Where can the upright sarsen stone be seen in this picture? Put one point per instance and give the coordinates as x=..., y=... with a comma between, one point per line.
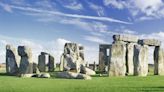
x=140, y=60
x=11, y=60
x=26, y=63
x=129, y=58
x=117, y=60
x=158, y=61
x=51, y=64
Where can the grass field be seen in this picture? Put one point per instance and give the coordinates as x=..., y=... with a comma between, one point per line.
x=97, y=84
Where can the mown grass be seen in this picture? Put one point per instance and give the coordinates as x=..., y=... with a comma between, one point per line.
x=150, y=83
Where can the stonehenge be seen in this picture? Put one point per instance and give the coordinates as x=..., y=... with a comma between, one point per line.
x=126, y=55
x=72, y=62
x=46, y=62
x=11, y=60
x=26, y=63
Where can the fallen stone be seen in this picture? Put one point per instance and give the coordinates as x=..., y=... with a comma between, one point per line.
x=150, y=42
x=125, y=38
x=71, y=75
x=43, y=75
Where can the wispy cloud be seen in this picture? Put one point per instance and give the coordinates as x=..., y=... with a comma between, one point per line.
x=69, y=15
x=95, y=39
x=6, y=7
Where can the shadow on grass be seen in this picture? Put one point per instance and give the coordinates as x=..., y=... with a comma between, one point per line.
x=152, y=89
x=4, y=74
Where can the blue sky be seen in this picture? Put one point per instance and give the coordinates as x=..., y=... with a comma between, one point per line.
x=45, y=25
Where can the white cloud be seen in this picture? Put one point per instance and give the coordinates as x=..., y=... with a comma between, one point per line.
x=100, y=10
x=6, y=7
x=94, y=39
x=74, y=6
x=56, y=13
x=115, y=3
x=140, y=9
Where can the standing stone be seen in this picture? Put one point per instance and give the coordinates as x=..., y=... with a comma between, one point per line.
x=117, y=60
x=42, y=63
x=26, y=63
x=158, y=61
x=140, y=60
x=11, y=60
x=129, y=59
x=94, y=66
x=61, y=62
x=51, y=64
x=104, y=50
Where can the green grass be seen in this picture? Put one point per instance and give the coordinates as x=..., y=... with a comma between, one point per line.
x=97, y=84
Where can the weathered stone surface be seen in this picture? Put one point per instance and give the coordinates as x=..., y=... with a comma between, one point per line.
x=71, y=75
x=89, y=71
x=43, y=61
x=158, y=61
x=61, y=63
x=35, y=67
x=117, y=60
x=129, y=58
x=26, y=63
x=11, y=60
x=140, y=60
x=126, y=38
x=104, y=50
x=72, y=58
x=150, y=42
x=27, y=75
x=43, y=75
x=94, y=66
x=51, y=64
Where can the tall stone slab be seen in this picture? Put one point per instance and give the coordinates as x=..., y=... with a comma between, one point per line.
x=42, y=63
x=11, y=60
x=26, y=63
x=140, y=60
x=51, y=64
x=117, y=60
x=61, y=63
x=158, y=61
x=104, y=51
x=129, y=58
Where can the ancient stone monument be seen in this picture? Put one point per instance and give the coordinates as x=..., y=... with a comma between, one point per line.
x=45, y=62
x=72, y=61
x=26, y=63
x=11, y=60
x=128, y=55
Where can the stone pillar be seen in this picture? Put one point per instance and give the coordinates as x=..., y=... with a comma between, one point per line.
x=140, y=60
x=129, y=58
x=104, y=51
x=94, y=66
x=42, y=62
x=117, y=60
x=51, y=64
x=26, y=63
x=158, y=61
x=61, y=62
x=11, y=60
